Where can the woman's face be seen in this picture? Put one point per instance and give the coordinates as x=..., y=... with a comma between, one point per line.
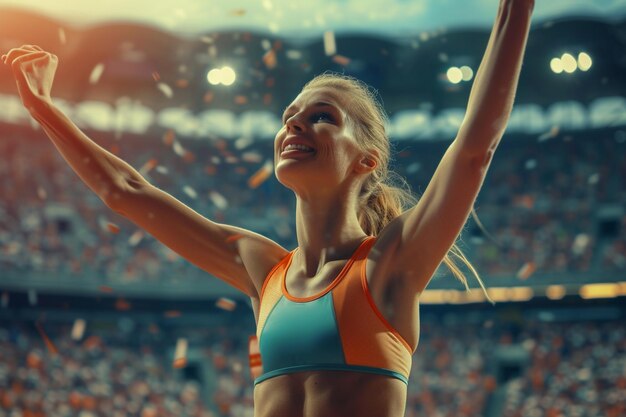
x=317, y=120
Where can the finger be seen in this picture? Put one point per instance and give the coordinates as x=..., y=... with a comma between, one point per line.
x=17, y=52
x=32, y=56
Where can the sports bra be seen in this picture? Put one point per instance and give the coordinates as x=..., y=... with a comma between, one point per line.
x=340, y=328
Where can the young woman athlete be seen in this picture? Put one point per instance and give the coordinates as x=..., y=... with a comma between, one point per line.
x=337, y=317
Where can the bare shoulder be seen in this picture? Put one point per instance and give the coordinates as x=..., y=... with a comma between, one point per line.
x=259, y=254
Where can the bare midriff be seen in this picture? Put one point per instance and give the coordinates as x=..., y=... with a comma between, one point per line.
x=330, y=394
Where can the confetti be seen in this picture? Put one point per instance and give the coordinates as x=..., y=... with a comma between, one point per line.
x=261, y=175
x=254, y=357
x=122, y=305
x=330, y=47
x=172, y=314
x=156, y=76
x=293, y=54
x=96, y=73
x=78, y=329
x=580, y=244
x=148, y=166
x=219, y=200
x=550, y=134
x=206, y=39
x=267, y=99
x=178, y=148
x=135, y=238
x=190, y=191
x=341, y=60
x=233, y=238
x=182, y=83
x=593, y=178
x=169, y=137
x=226, y=304
x=166, y=90
x=266, y=44
x=241, y=100
x=242, y=142
x=526, y=270
x=208, y=97
x=105, y=288
x=162, y=170
x=113, y=228
x=49, y=345
x=253, y=157
x=269, y=59
x=180, y=353
x=62, y=37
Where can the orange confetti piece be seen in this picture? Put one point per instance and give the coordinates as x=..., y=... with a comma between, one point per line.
x=182, y=83
x=241, y=100
x=233, y=238
x=267, y=99
x=254, y=357
x=189, y=156
x=208, y=97
x=179, y=363
x=261, y=175
x=269, y=82
x=106, y=289
x=49, y=345
x=172, y=314
x=122, y=305
x=113, y=228
x=341, y=60
x=115, y=149
x=148, y=166
x=156, y=76
x=241, y=170
x=210, y=169
x=269, y=59
x=169, y=137
x=226, y=304
x=526, y=271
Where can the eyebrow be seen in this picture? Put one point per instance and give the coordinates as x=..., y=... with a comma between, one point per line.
x=317, y=104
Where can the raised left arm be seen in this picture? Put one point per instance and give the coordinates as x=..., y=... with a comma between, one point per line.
x=425, y=233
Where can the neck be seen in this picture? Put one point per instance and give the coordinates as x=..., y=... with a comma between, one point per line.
x=328, y=229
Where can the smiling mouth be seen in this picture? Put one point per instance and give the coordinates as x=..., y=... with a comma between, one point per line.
x=296, y=152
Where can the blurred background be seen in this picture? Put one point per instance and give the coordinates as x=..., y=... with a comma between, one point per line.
x=97, y=318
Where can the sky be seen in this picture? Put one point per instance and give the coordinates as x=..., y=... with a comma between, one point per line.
x=306, y=18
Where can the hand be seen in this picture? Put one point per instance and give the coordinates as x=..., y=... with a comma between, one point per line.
x=33, y=70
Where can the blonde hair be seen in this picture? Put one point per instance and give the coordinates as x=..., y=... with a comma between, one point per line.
x=385, y=195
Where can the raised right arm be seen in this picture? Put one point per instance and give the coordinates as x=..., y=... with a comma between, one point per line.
x=237, y=256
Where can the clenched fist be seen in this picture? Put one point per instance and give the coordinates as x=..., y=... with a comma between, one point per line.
x=33, y=70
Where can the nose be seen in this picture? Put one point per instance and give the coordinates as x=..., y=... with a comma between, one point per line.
x=295, y=124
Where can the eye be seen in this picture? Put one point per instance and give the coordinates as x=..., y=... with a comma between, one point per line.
x=321, y=117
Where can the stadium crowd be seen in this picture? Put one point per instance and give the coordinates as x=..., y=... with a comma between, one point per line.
x=573, y=369
x=538, y=206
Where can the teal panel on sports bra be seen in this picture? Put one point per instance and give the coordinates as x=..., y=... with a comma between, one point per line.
x=300, y=334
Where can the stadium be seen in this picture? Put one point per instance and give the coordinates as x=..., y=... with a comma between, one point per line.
x=99, y=318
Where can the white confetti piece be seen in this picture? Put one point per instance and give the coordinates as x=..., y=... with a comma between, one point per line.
x=215, y=160
x=243, y=142
x=549, y=134
x=166, y=90
x=62, y=37
x=219, y=200
x=330, y=47
x=593, y=178
x=96, y=73
x=266, y=44
x=162, y=170
x=232, y=159
x=190, y=191
x=135, y=238
x=253, y=157
x=180, y=353
x=581, y=241
x=178, y=149
x=294, y=54
x=78, y=329
x=413, y=168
